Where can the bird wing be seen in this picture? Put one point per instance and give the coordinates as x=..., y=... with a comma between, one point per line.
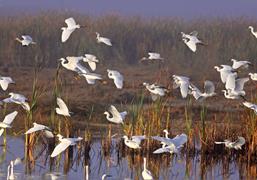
x=239, y=84
x=25, y=106
x=195, y=91
x=161, y=139
x=26, y=37
x=92, y=65
x=248, y=104
x=35, y=129
x=118, y=80
x=4, y=84
x=231, y=81
x=66, y=34
x=62, y=105
x=192, y=45
x=239, y=142
x=209, y=87
x=216, y=142
x=10, y=117
x=70, y=22
x=48, y=134
x=137, y=139
x=61, y=147
x=179, y=140
x=161, y=150
x=184, y=88
x=115, y=113
x=1, y=131
x=90, y=56
x=106, y=41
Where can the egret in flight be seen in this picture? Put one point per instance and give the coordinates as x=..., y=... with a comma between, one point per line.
x=152, y=56
x=71, y=27
x=26, y=40
x=155, y=90
x=103, y=40
x=39, y=127
x=18, y=99
x=64, y=144
x=114, y=116
x=183, y=83
x=7, y=121
x=191, y=40
x=5, y=81
x=236, y=144
x=62, y=109
x=117, y=78
x=209, y=91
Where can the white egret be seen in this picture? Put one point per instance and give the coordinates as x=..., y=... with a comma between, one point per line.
x=17, y=99
x=5, y=81
x=236, y=144
x=155, y=90
x=39, y=127
x=10, y=171
x=7, y=121
x=146, y=174
x=171, y=148
x=72, y=63
x=64, y=144
x=251, y=106
x=26, y=40
x=183, y=83
x=254, y=33
x=91, y=60
x=209, y=91
x=236, y=86
x=134, y=142
x=238, y=64
x=191, y=40
x=224, y=71
x=253, y=76
x=62, y=109
x=178, y=141
x=71, y=26
x=159, y=138
x=103, y=40
x=152, y=56
x=117, y=78
x=113, y=115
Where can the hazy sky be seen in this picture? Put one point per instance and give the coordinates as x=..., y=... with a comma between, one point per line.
x=162, y=8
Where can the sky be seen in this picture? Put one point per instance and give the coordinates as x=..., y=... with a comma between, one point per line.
x=145, y=8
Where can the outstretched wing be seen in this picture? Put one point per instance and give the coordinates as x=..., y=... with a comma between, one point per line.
x=118, y=80
x=240, y=84
x=10, y=117
x=66, y=34
x=137, y=139
x=35, y=129
x=194, y=33
x=115, y=113
x=62, y=105
x=70, y=22
x=60, y=148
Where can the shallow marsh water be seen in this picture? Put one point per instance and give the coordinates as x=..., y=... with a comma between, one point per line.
x=119, y=165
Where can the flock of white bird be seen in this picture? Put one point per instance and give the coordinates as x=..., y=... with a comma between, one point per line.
x=234, y=89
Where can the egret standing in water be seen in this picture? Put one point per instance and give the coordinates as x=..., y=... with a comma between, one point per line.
x=146, y=174
x=10, y=171
x=7, y=121
x=26, y=40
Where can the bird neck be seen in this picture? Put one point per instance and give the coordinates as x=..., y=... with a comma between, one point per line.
x=19, y=40
x=144, y=164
